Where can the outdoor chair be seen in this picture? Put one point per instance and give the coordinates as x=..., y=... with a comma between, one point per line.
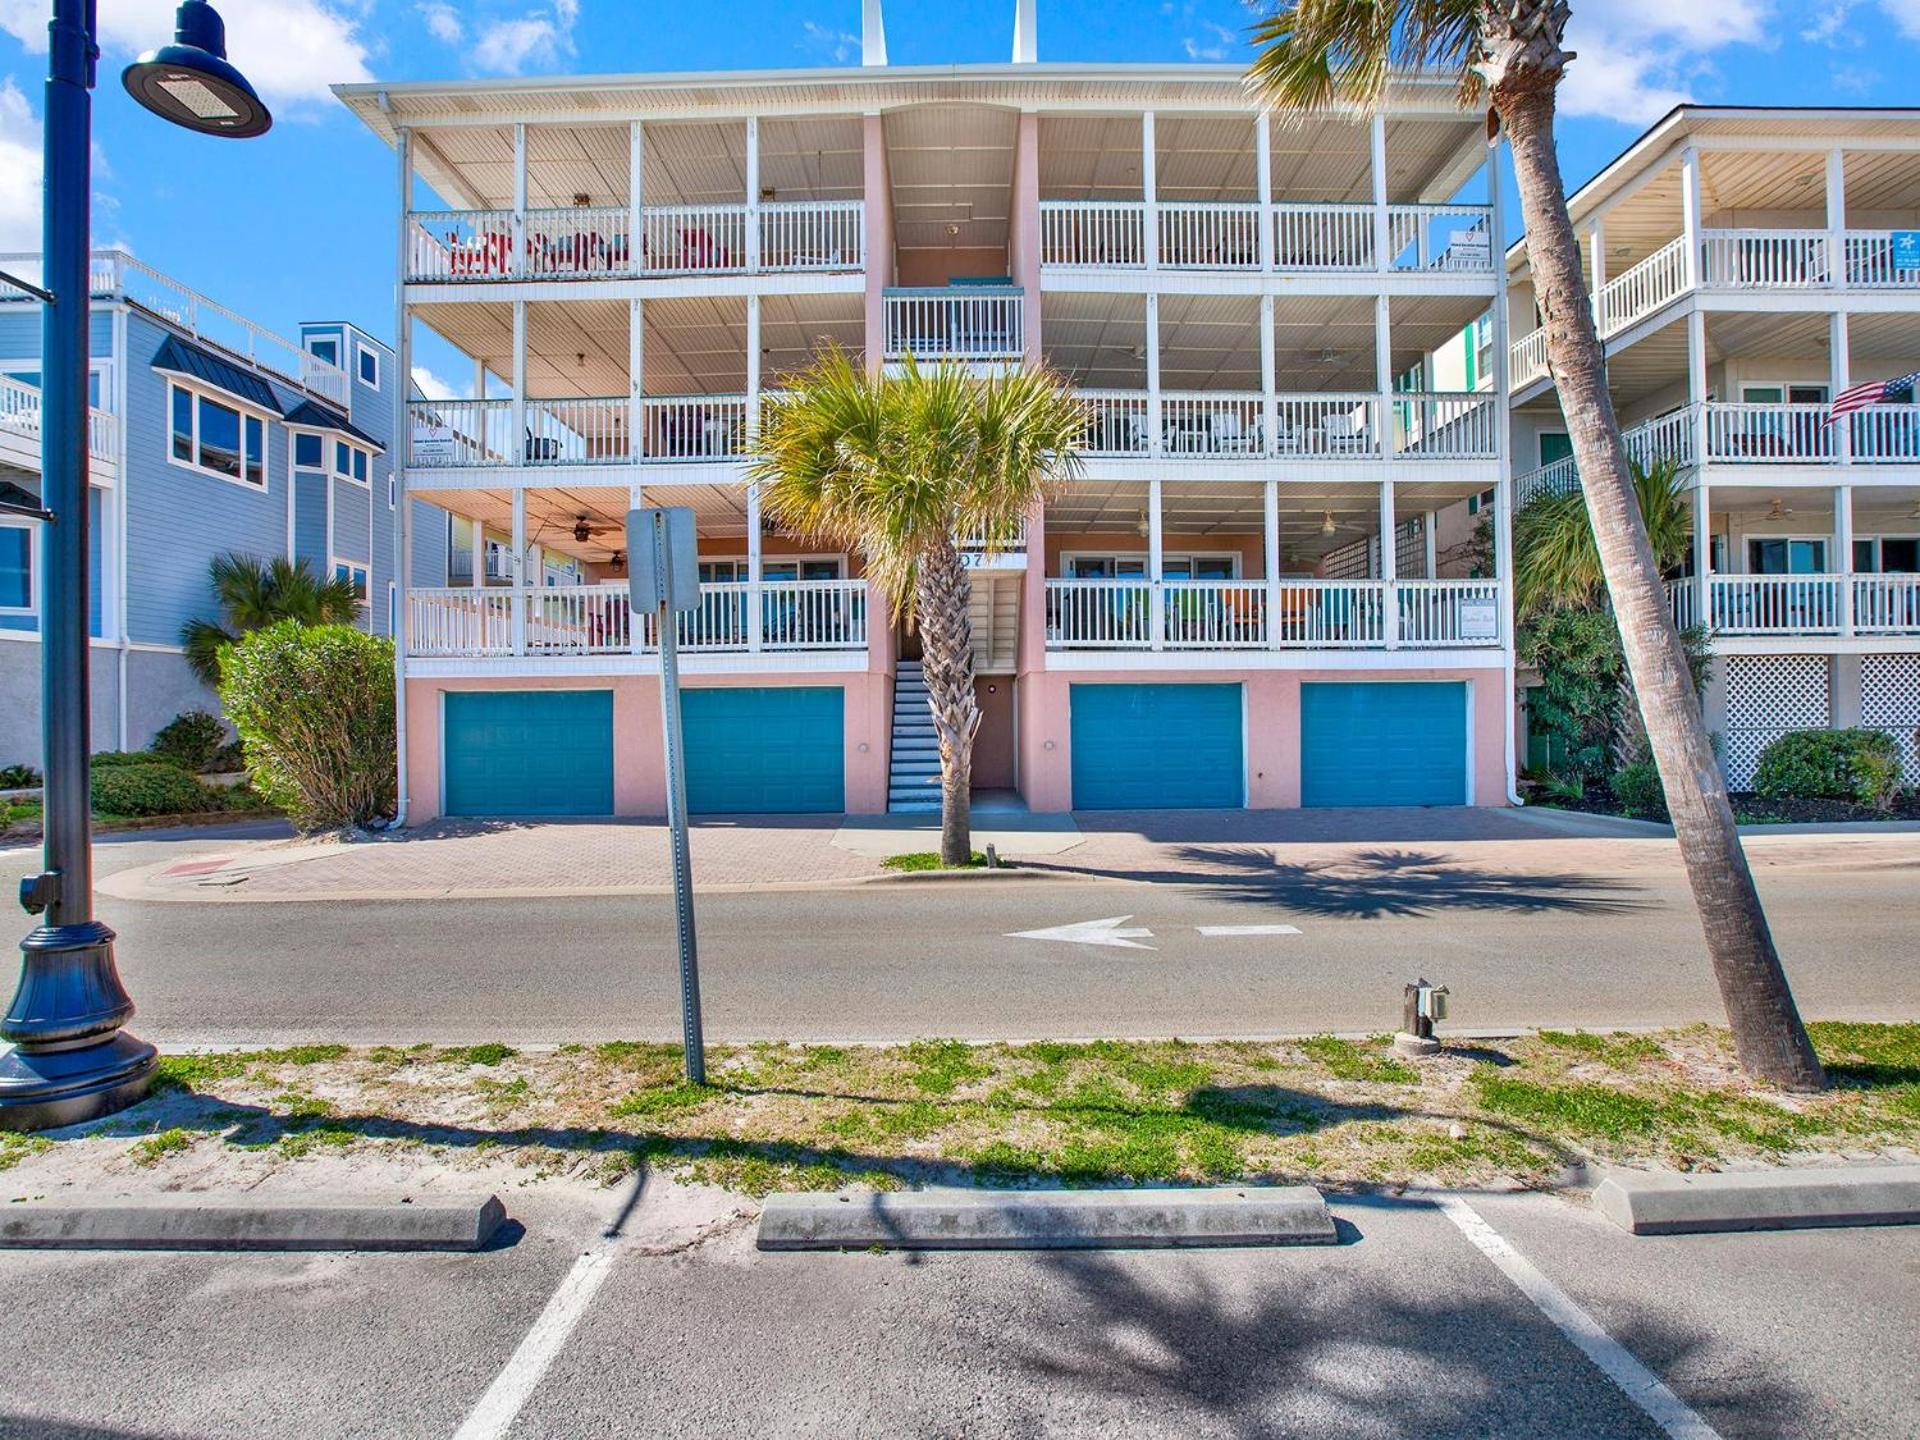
x=1344, y=435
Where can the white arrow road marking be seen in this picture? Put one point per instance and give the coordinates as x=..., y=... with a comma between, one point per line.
x=1091, y=932
x=1220, y=930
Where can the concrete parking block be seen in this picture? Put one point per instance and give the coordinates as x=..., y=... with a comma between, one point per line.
x=1673, y=1204
x=206, y=1222
x=1046, y=1219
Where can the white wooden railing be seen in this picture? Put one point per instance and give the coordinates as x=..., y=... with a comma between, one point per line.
x=1323, y=237
x=1448, y=239
x=444, y=434
x=1224, y=423
x=1870, y=266
x=1683, y=598
x=1665, y=437
x=460, y=245
x=593, y=619
x=694, y=427
x=1764, y=259
x=1431, y=425
x=586, y=430
x=116, y=272
x=20, y=415
x=1773, y=604
x=1328, y=424
x=1116, y=423
x=1885, y=435
x=1527, y=359
x=955, y=323
x=581, y=242
x=693, y=239
x=1247, y=614
x=1209, y=235
x=1886, y=604
x=1657, y=280
x=1770, y=434
x=1106, y=233
x=813, y=235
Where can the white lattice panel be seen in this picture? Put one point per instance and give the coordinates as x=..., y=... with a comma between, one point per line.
x=1768, y=696
x=1890, y=701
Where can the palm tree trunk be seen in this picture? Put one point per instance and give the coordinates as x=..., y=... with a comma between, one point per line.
x=1767, y=1031
x=946, y=645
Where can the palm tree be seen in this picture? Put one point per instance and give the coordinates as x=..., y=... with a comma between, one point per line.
x=1508, y=56
x=252, y=594
x=1556, y=562
x=896, y=467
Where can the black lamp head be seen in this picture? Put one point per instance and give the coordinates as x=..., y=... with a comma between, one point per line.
x=190, y=82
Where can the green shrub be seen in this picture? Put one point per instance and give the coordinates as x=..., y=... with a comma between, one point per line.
x=1638, y=789
x=232, y=757
x=314, y=708
x=155, y=788
x=18, y=777
x=191, y=740
x=1858, y=765
x=110, y=759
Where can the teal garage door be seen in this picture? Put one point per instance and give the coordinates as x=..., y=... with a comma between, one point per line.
x=772, y=751
x=528, y=752
x=1383, y=744
x=1156, y=747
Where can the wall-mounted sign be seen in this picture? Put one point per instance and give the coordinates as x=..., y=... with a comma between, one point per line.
x=1479, y=618
x=1906, y=249
x=432, y=442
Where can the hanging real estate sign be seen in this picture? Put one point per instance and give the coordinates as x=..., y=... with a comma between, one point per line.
x=1479, y=618
x=1906, y=249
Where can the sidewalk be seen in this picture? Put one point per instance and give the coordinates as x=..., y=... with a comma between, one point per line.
x=502, y=859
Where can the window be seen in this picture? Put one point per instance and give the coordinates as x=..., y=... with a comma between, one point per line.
x=1482, y=501
x=18, y=580
x=350, y=462
x=309, y=451
x=217, y=437
x=327, y=350
x=1786, y=556
x=354, y=572
x=393, y=491
x=368, y=361
x=1887, y=555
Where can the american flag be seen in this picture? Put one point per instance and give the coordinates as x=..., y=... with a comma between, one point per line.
x=1873, y=392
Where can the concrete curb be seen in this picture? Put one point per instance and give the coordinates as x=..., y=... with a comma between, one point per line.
x=212, y=1222
x=1672, y=1204
x=1046, y=1219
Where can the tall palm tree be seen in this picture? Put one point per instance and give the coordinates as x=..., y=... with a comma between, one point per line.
x=896, y=467
x=1556, y=560
x=1508, y=56
x=252, y=594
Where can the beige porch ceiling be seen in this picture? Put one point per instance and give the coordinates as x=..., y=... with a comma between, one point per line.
x=951, y=165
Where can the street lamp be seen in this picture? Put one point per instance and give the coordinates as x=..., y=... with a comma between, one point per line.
x=71, y=1060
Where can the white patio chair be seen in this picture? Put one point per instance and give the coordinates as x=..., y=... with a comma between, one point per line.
x=1344, y=435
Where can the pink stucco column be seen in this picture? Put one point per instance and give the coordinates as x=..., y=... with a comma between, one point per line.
x=879, y=215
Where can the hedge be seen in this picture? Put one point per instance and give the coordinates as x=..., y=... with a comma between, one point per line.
x=1858, y=765
x=155, y=788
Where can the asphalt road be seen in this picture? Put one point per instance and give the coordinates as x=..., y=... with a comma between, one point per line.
x=892, y=961
x=1405, y=1328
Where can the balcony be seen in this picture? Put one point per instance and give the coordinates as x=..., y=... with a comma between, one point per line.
x=588, y=430
x=580, y=620
x=1667, y=437
x=966, y=323
x=599, y=242
x=1132, y=614
x=1801, y=605
x=1247, y=236
x=20, y=428
x=1237, y=425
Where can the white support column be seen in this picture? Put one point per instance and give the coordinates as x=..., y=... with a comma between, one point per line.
x=636, y=196
x=519, y=227
x=1690, y=213
x=1697, y=384
x=636, y=380
x=1383, y=374
x=1843, y=543
x=1156, y=565
x=1503, y=445
x=1269, y=401
x=753, y=365
x=1837, y=218
x=756, y=609
x=1150, y=191
x=1839, y=377
x=1270, y=538
x=518, y=405
x=1263, y=184
x=636, y=624
x=399, y=457
x=1597, y=265
x=1155, y=440
x=1432, y=539
x=479, y=539
x=1702, y=549
x=753, y=194
x=517, y=577
x=1382, y=232
x=1389, y=567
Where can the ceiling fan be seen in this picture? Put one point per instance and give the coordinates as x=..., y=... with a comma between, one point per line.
x=1778, y=511
x=584, y=529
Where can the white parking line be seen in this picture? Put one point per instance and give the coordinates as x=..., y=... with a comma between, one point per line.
x=1640, y=1385
x=497, y=1409
x=1220, y=930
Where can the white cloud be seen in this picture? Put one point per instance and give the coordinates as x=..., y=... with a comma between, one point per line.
x=20, y=170
x=443, y=21
x=1905, y=15
x=836, y=45
x=1637, y=59
x=291, y=50
x=1217, y=44
x=431, y=385
x=538, y=38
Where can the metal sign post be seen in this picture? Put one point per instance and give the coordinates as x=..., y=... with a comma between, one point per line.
x=665, y=580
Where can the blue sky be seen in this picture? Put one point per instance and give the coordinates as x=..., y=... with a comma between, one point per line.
x=298, y=226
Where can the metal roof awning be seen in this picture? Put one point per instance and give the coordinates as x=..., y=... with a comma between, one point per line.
x=182, y=357
x=316, y=416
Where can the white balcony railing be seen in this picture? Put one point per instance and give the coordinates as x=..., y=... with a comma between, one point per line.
x=813, y=235
x=1441, y=426
x=112, y=272
x=1770, y=434
x=589, y=430
x=1224, y=423
x=959, y=322
x=694, y=427
x=1666, y=437
x=585, y=430
x=693, y=239
x=1884, y=435
x=1764, y=259
x=1658, y=280
x=1327, y=424
x=795, y=615
x=1116, y=423
x=1209, y=235
x=1869, y=256
x=1295, y=614
x=1886, y=604
x=1445, y=239
x=1323, y=237
x=1334, y=425
x=1110, y=234
x=1773, y=604
x=20, y=416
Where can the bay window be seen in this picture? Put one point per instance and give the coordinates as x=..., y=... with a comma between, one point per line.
x=216, y=437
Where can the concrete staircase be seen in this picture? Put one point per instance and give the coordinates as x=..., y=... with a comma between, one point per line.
x=913, y=773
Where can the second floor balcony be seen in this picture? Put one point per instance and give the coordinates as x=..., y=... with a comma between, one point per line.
x=574, y=431
x=1287, y=614
x=1247, y=425
x=973, y=324
x=1823, y=605
x=20, y=429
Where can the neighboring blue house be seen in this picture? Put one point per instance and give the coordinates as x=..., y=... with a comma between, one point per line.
x=209, y=434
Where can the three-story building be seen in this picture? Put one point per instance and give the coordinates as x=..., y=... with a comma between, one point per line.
x=1242, y=601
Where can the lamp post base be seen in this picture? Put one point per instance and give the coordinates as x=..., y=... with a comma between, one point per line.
x=71, y=1062
x=45, y=1089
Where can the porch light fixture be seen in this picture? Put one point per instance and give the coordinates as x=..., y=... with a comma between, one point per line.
x=190, y=82
x=1327, y=526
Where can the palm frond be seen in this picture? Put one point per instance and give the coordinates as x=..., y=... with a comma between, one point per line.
x=1556, y=559
x=1315, y=54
